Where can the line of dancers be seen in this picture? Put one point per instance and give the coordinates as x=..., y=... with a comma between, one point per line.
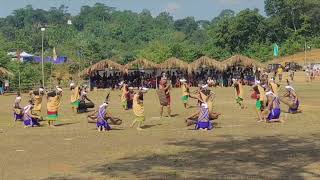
x=265, y=92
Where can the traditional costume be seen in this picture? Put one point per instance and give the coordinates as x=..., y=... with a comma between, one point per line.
x=273, y=107
x=124, y=95
x=204, y=118
x=17, y=110
x=29, y=120
x=164, y=96
x=138, y=108
x=102, y=123
x=238, y=87
x=185, y=92
x=53, y=105
x=294, y=108
x=84, y=106
x=36, y=97
x=75, y=96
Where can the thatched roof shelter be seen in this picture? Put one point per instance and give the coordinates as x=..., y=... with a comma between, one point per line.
x=174, y=63
x=102, y=65
x=5, y=73
x=243, y=60
x=205, y=61
x=141, y=63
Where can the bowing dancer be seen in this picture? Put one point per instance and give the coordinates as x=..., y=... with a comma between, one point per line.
x=17, y=109
x=75, y=97
x=29, y=119
x=103, y=118
x=272, y=112
x=138, y=108
x=53, y=105
x=294, y=100
x=205, y=115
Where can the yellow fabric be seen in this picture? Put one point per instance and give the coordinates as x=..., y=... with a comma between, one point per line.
x=210, y=106
x=185, y=91
x=274, y=88
x=37, y=103
x=262, y=93
x=75, y=96
x=138, y=108
x=124, y=93
x=280, y=70
x=54, y=103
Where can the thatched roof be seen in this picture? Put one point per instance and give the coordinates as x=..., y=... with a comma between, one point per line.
x=102, y=65
x=205, y=61
x=4, y=72
x=243, y=60
x=141, y=63
x=173, y=63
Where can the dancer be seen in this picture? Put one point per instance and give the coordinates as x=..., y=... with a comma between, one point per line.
x=17, y=110
x=203, y=117
x=75, y=97
x=185, y=93
x=272, y=112
x=102, y=116
x=36, y=98
x=164, y=91
x=53, y=105
x=259, y=95
x=238, y=87
x=124, y=95
x=294, y=100
x=29, y=119
x=83, y=106
x=138, y=108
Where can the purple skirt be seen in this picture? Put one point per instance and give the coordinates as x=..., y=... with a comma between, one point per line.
x=274, y=115
x=17, y=117
x=31, y=122
x=295, y=109
x=204, y=125
x=104, y=124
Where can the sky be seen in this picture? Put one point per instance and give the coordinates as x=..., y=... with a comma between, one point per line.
x=200, y=9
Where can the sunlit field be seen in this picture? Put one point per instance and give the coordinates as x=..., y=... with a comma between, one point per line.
x=238, y=148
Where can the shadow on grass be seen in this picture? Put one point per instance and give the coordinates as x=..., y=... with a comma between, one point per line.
x=255, y=158
x=65, y=124
x=150, y=126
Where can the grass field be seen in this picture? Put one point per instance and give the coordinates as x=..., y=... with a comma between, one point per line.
x=238, y=148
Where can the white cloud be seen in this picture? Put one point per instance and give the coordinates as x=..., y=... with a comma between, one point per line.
x=172, y=7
